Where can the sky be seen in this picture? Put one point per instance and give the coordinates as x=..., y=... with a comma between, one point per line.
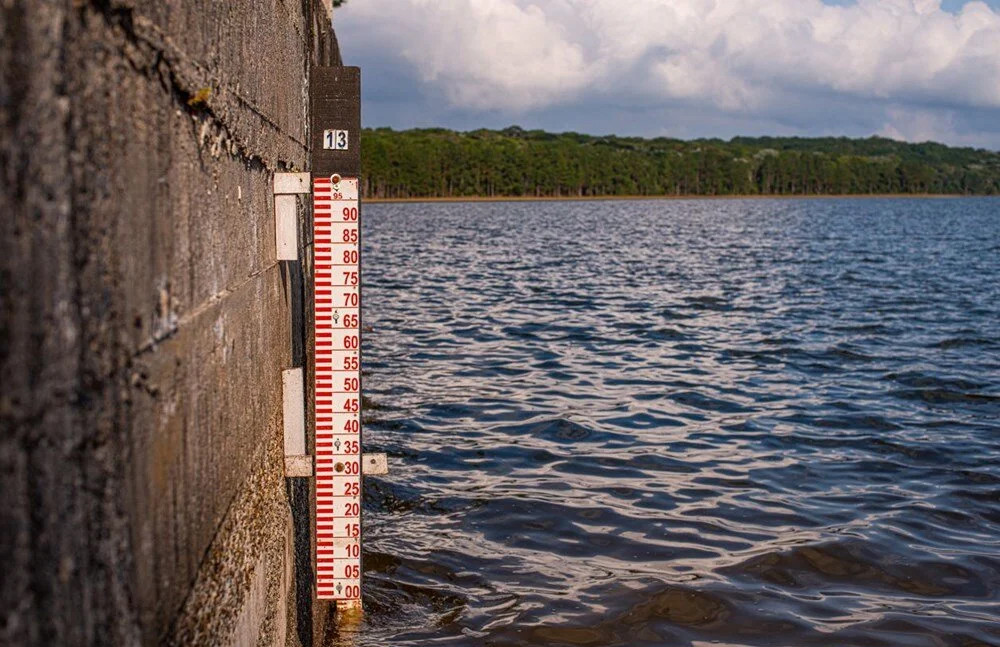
x=914, y=70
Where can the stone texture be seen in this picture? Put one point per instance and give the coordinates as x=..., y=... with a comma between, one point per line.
x=144, y=321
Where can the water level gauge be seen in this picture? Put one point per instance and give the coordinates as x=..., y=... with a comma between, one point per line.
x=337, y=387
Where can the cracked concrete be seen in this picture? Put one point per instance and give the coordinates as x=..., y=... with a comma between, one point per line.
x=144, y=321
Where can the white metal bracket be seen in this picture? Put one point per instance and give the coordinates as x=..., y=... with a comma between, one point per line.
x=286, y=222
x=293, y=410
x=297, y=461
x=285, y=183
x=372, y=464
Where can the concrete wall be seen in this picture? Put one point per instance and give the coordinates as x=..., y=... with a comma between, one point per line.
x=144, y=321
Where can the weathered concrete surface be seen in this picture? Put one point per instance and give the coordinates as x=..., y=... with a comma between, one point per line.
x=144, y=321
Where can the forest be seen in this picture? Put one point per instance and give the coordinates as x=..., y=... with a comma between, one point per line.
x=439, y=163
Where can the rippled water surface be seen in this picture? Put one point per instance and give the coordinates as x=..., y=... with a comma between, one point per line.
x=684, y=423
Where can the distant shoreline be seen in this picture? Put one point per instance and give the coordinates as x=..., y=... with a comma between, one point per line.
x=607, y=198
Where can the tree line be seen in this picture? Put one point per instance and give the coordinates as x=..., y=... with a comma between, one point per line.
x=515, y=162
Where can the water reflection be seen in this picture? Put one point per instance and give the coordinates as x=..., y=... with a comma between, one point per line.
x=746, y=423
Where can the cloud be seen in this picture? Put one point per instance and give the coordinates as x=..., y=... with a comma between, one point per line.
x=737, y=57
x=919, y=125
x=481, y=53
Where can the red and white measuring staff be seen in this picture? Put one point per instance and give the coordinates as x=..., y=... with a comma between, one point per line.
x=337, y=362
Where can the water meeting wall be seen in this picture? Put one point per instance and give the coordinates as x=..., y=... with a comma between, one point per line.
x=144, y=320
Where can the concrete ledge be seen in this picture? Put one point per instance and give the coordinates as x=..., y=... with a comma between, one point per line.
x=328, y=5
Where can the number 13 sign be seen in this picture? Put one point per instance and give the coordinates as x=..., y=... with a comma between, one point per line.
x=335, y=140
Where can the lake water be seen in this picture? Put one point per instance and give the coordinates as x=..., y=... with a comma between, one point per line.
x=726, y=422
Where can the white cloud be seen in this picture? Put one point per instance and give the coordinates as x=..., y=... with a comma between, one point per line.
x=917, y=125
x=734, y=56
x=481, y=53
